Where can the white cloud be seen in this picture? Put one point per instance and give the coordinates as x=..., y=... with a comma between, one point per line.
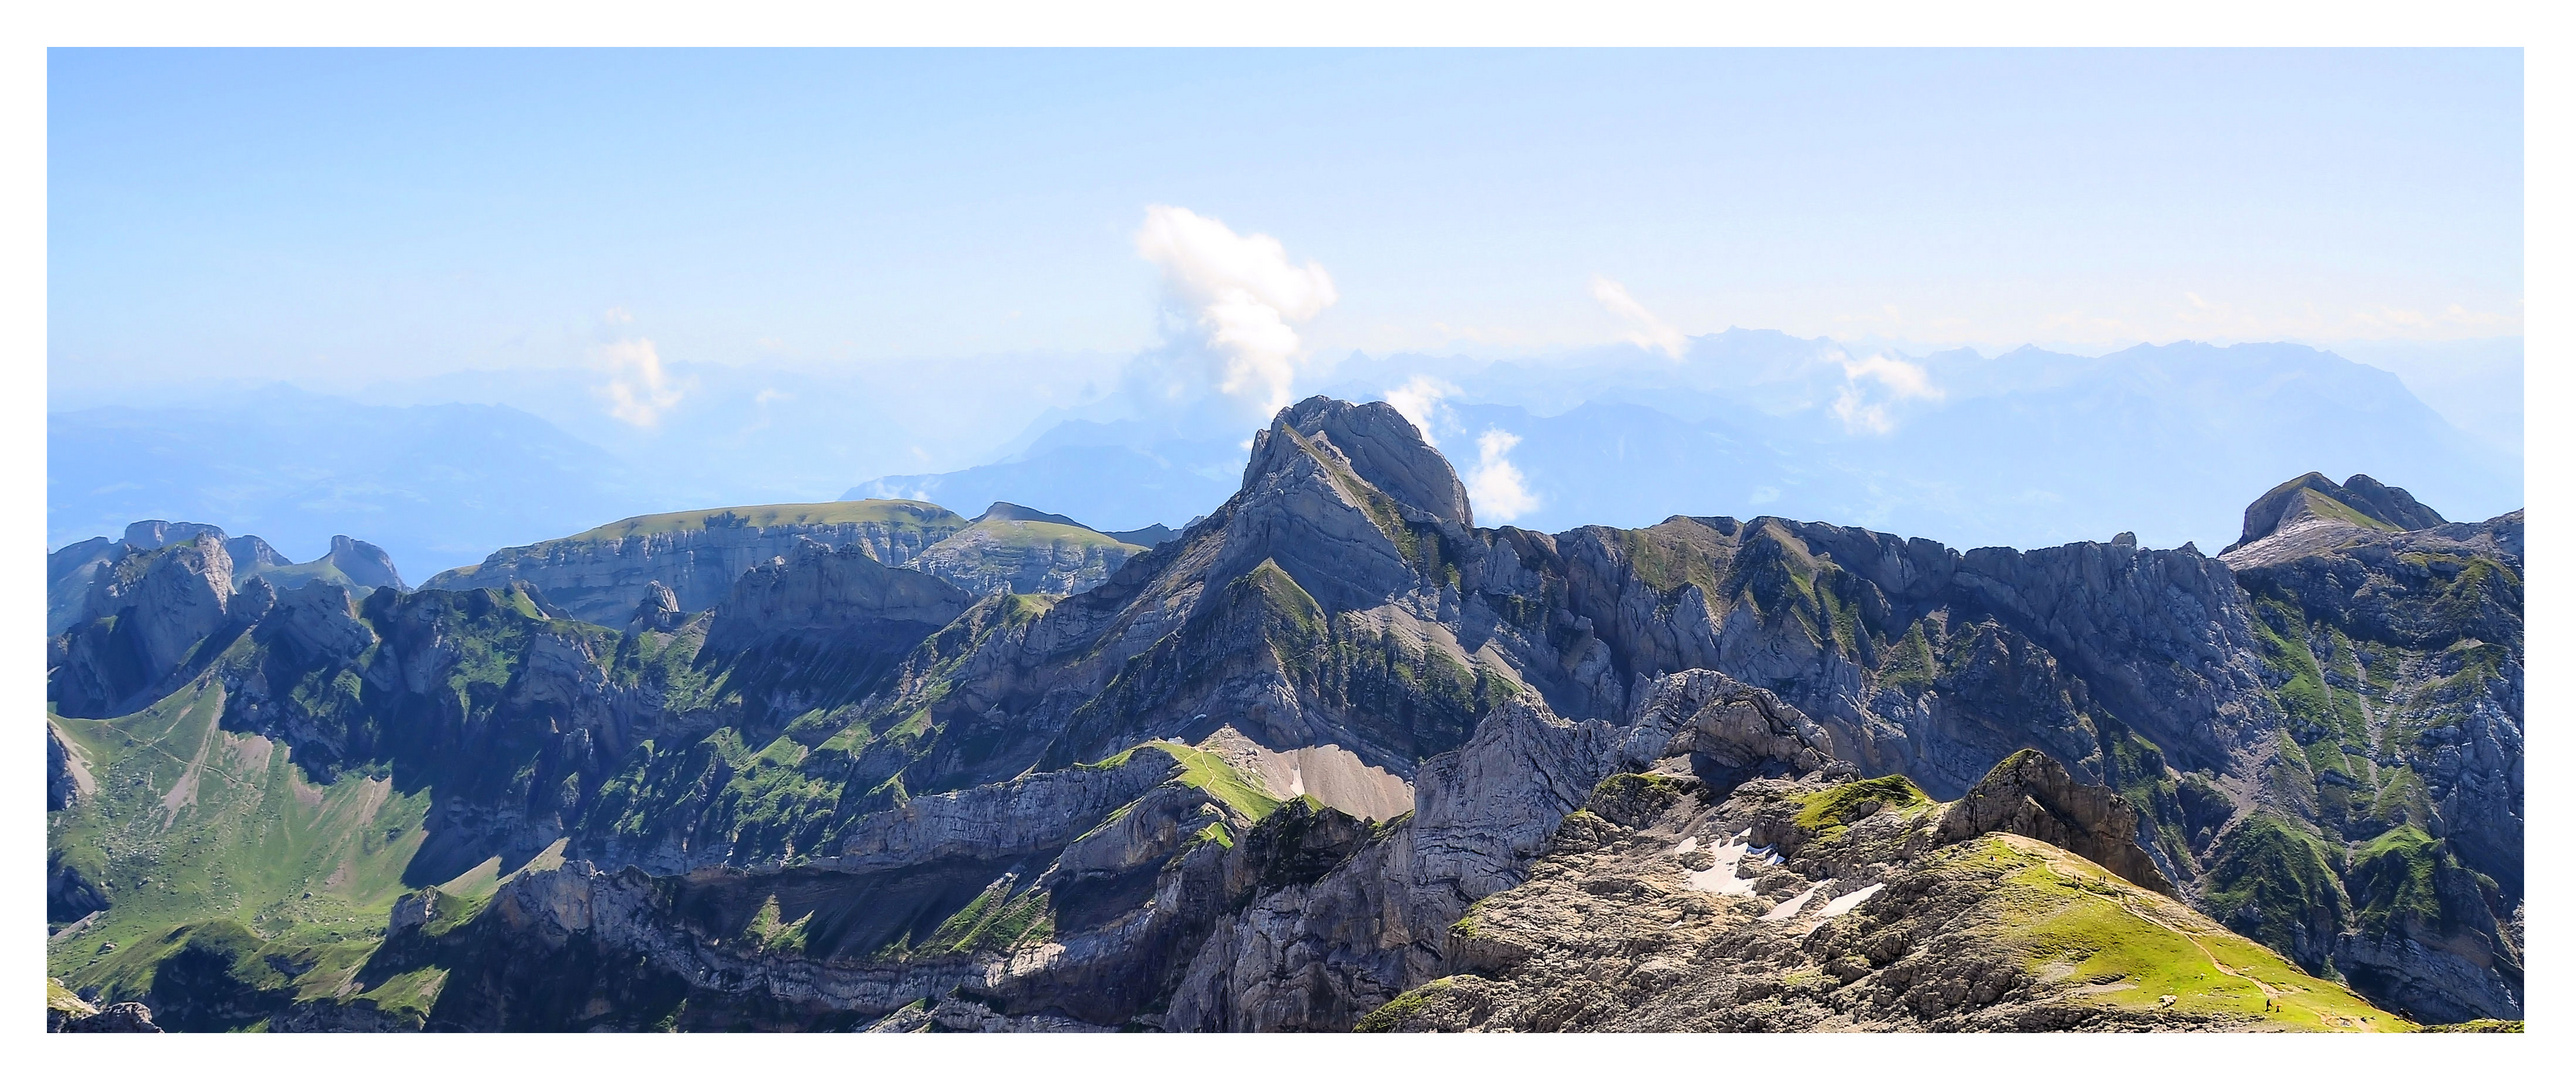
x=638, y=390
x=1245, y=295
x=1646, y=328
x=1498, y=489
x=1861, y=409
x=1420, y=402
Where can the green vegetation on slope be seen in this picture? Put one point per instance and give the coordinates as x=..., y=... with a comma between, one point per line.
x=192, y=822
x=2079, y=924
x=1211, y=774
x=1826, y=813
x=886, y=511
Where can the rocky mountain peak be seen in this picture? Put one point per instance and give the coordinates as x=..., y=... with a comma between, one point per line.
x=148, y=535
x=1381, y=447
x=2311, y=498
x=365, y=564
x=1009, y=511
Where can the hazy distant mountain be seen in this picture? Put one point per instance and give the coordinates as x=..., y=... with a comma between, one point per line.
x=435, y=485
x=1120, y=475
x=2027, y=447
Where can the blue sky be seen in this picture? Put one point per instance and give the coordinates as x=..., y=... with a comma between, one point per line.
x=339, y=216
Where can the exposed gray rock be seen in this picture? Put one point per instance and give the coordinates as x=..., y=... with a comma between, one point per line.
x=317, y=624
x=67, y=779
x=1024, y=551
x=1041, y=812
x=817, y=590
x=121, y=1018
x=149, y=535
x=1380, y=445
x=657, y=610
x=70, y=895
x=365, y=564
x=2292, y=501
x=600, y=576
x=2032, y=795
x=69, y=572
x=1145, y=832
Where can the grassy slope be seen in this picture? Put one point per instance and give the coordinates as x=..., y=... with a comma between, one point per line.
x=193, y=822
x=196, y=826
x=2078, y=925
x=1211, y=774
x=890, y=511
x=1041, y=533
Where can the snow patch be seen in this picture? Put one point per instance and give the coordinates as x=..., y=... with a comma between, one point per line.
x=1723, y=878
x=1848, y=903
x=1788, y=909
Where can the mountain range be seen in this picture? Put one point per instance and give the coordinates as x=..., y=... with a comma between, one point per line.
x=2021, y=449
x=1334, y=756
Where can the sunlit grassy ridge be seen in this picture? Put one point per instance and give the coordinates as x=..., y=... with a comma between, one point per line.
x=887, y=511
x=1030, y=533
x=1211, y=774
x=2075, y=923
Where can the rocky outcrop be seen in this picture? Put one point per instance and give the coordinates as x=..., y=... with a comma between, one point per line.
x=1039, y=813
x=67, y=779
x=366, y=565
x=657, y=610
x=155, y=534
x=818, y=591
x=1698, y=917
x=69, y=573
x=70, y=895
x=1734, y=732
x=2312, y=496
x=2033, y=796
x=317, y=625
x=1013, y=549
x=121, y=1018
x=150, y=612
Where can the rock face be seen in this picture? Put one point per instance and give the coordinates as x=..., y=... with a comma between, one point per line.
x=1332, y=750
x=2033, y=796
x=365, y=564
x=124, y=1017
x=658, y=609
x=2402, y=662
x=600, y=575
x=1379, y=445
x=67, y=778
x=818, y=591
x=2309, y=514
x=150, y=612
x=155, y=616
x=1013, y=549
